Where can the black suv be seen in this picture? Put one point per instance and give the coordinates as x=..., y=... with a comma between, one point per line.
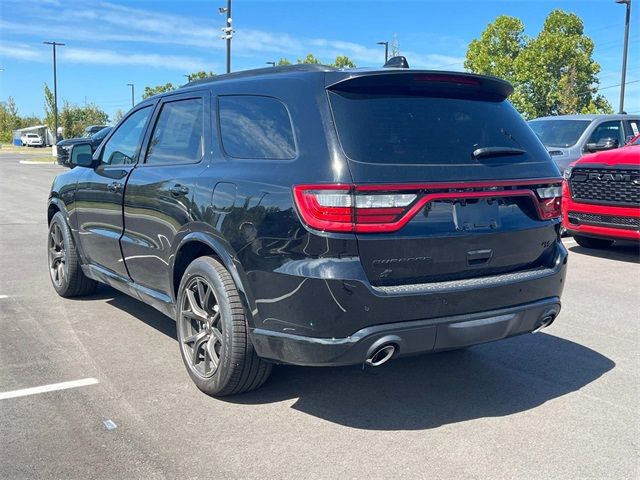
x=317, y=216
x=64, y=146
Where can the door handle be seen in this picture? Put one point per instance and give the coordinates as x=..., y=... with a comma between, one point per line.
x=178, y=190
x=114, y=187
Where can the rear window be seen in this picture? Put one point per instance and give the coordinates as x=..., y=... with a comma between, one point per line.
x=559, y=133
x=426, y=130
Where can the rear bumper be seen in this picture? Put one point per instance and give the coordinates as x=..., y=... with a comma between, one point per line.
x=409, y=338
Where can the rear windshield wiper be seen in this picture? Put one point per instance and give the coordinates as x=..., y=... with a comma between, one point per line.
x=497, y=152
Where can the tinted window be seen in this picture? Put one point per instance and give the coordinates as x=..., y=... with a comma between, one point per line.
x=256, y=127
x=423, y=130
x=98, y=136
x=607, y=130
x=178, y=134
x=123, y=145
x=635, y=127
x=559, y=133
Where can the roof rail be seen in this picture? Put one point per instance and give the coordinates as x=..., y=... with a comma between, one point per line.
x=299, y=67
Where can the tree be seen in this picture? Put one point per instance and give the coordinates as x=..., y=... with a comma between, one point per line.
x=552, y=74
x=151, y=91
x=283, y=61
x=74, y=119
x=9, y=120
x=494, y=53
x=343, y=61
x=310, y=58
x=119, y=115
x=49, y=119
x=199, y=75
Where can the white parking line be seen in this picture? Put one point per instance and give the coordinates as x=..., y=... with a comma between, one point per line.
x=3, y=296
x=48, y=388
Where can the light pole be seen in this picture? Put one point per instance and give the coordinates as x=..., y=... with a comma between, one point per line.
x=386, y=50
x=228, y=32
x=273, y=64
x=55, y=89
x=624, y=53
x=132, y=94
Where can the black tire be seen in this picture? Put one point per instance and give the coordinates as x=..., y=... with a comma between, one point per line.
x=590, y=242
x=216, y=327
x=65, y=272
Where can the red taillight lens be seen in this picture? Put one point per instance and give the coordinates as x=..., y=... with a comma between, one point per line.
x=388, y=208
x=550, y=201
x=341, y=208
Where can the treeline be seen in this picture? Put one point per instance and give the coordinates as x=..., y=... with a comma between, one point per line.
x=340, y=62
x=11, y=120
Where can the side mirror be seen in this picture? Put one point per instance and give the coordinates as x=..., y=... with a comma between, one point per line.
x=604, y=144
x=81, y=155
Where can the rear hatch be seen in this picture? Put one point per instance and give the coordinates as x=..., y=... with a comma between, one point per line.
x=449, y=182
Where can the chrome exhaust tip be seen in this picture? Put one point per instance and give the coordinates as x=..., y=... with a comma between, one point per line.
x=546, y=321
x=381, y=355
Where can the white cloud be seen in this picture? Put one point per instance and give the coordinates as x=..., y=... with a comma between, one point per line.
x=119, y=24
x=109, y=57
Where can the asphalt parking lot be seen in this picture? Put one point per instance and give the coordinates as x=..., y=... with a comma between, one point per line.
x=562, y=403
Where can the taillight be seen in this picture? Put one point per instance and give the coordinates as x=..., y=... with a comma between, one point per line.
x=388, y=208
x=550, y=201
x=341, y=208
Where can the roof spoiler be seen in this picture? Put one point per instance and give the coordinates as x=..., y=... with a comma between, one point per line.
x=396, y=62
x=425, y=82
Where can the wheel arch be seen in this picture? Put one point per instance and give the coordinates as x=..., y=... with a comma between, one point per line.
x=198, y=244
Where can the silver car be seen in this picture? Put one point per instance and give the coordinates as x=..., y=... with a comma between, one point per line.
x=568, y=137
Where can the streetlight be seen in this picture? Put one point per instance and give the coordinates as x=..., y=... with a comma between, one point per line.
x=386, y=50
x=273, y=64
x=624, y=53
x=132, y=94
x=228, y=32
x=55, y=89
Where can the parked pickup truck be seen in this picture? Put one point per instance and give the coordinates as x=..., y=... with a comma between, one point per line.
x=601, y=197
x=31, y=140
x=569, y=137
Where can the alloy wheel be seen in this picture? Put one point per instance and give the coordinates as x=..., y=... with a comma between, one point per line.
x=200, y=327
x=57, y=255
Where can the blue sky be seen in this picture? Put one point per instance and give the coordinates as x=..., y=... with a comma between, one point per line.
x=110, y=44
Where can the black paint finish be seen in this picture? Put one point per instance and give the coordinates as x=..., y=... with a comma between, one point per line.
x=293, y=280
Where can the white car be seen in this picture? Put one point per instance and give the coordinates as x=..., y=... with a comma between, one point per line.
x=31, y=140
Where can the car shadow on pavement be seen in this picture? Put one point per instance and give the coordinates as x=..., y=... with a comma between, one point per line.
x=416, y=393
x=620, y=251
x=429, y=391
x=138, y=309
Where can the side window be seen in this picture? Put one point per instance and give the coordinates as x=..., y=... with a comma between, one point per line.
x=255, y=127
x=635, y=127
x=178, y=135
x=608, y=130
x=122, y=146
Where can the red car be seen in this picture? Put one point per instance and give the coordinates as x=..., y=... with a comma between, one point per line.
x=601, y=197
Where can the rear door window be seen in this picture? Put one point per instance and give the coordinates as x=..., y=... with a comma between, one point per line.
x=178, y=136
x=255, y=127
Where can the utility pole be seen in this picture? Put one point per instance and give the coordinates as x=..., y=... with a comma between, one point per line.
x=55, y=89
x=133, y=102
x=624, y=53
x=386, y=50
x=228, y=32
